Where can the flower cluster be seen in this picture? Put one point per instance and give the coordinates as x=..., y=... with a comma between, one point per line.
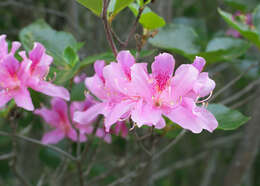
x=16, y=77
x=126, y=90
x=58, y=117
x=245, y=18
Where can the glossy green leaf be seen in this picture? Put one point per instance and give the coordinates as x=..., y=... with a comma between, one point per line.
x=70, y=56
x=94, y=5
x=177, y=38
x=54, y=41
x=247, y=32
x=224, y=48
x=183, y=39
x=148, y=19
x=77, y=92
x=227, y=118
x=116, y=6
x=143, y=2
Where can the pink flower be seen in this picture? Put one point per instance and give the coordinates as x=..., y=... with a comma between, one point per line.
x=57, y=118
x=4, y=47
x=126, y=89
x=120, y=129
x=16, y=77
x=111, y=84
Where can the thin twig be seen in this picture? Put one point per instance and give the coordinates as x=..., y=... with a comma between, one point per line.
x=179, y=164
x=6, y=156
x=170, y=145
x=227, y=86
x=106, y=27
x=241, y=92
x=40, y=143
x=13, y=163
x=140, y=11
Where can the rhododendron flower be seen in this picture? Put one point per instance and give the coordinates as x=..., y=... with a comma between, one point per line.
x=111, y=84
x=4, y=47
x=57, y=118
x=126, y=89
x=16, y=77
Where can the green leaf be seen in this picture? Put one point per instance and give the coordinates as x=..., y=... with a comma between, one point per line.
x=148, y=19
x=227, y=118
x=116, y=6
x=247, y=32
x=183, y=39
x=70, y=56
x=94, y=5
x=141, y=3
x=224, y=48
x=54, y=41
x=177, y=38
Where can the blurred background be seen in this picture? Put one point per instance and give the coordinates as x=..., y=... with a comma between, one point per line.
x=228, y=158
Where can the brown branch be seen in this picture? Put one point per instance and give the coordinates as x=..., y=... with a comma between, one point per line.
x=13, y=163
x=170, y=145
x=227, y=86
x=6, y=156
x=107, y=27
x=246, y=152
x=41, y=144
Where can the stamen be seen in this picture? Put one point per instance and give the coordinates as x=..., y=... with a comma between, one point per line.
x=132, y=128
x=202, y=101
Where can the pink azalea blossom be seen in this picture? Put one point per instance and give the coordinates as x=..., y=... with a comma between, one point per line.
x=57, y=118
x=79, y=78
x=111, y=84
x=16, y=77
x=126, y=89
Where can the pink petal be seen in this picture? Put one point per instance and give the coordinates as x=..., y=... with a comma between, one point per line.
x=199, y=63
x=23, y=99
x=15, y=46
x=49, y=116
x=3, y=46
x=116, y=113
x=162, y=69
x=40, y=61
x=53, y=136
x=86, y=117
x=184, y=79
x=99, y=66
x=51, y=90
x=126, y=60
x=72, y=134
x=161, y=124
x=4, y=98
x=116, y=79
x=193, y=118
x=96, y=86
x=141, y=81
x=59, y=106
x=204, y=85
x=145, y=114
